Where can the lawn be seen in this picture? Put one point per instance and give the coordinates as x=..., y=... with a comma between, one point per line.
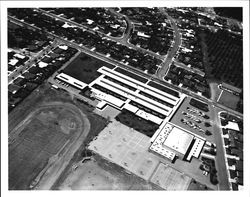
x=145, y=127
x=84, y=68
x=229, y=100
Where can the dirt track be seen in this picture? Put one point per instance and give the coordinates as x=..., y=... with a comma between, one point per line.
x=57, y=163
x=64, y=156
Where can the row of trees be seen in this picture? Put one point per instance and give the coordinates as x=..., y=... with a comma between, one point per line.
x=225, y=57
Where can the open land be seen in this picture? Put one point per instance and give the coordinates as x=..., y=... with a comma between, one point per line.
x=58, y=140
x=48, y=131
x=99, y=174
x=32, y=146
x=228, y=99
x=84, y=68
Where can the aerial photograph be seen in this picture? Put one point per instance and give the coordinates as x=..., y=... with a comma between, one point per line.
x=125, y=98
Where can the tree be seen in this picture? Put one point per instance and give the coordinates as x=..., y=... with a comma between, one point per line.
x=207, y=124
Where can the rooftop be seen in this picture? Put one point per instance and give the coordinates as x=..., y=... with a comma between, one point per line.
x=178, y=140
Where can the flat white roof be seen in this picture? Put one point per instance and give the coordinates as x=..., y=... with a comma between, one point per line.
x=197, y=148
x=134, y=98
x=133, y=82
x=161, y=97
x=178, y=140
x=13, y=62
x=66, y=25
x=19, y=56
x=108, y=98
x=136, y=94
x=143, y=34
x=64, y=47
x=169, y=138
x=148, y=116
x=72, y=81
x=232, y=125
x=101, y=104
x=131, y=108
x=42, y=64
x=159, y=148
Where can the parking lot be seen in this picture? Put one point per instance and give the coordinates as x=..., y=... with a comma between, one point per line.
x=194, y=120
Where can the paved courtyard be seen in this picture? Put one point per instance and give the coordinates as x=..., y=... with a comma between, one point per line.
x=127, y=148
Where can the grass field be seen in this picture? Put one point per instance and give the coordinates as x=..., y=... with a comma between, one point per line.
x=84, y=68
x=43, y=136
x=229, y=100
x=128, y=118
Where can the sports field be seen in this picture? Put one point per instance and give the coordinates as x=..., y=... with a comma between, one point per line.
x=170, y=179
x=43, y=134
x=84, y=68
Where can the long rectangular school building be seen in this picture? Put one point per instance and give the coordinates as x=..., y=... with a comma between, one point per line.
x=141, y=99
x=124, y=92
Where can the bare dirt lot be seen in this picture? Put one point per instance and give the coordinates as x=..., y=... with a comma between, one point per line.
x=90, y=176
x=100, y=174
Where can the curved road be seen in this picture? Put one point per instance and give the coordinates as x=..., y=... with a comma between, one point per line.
x=116, y=39
x=135, y=70
x=177, y=42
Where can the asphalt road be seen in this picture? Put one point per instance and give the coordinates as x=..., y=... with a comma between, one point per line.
x=135, y=70
x=29, y=63
x=116, y=39
x=220, y=156
x=177, y=42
